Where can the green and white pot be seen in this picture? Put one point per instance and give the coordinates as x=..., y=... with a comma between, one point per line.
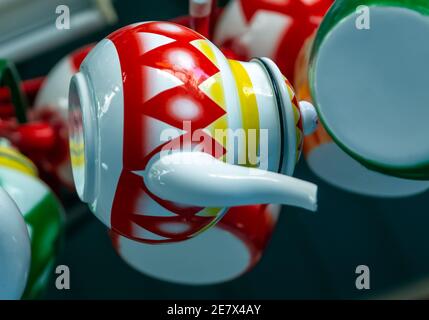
x=42, y=212
x=15, y=252
x=369, y=78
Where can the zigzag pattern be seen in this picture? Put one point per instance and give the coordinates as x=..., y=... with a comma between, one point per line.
x=162, y=73
x=305, y=16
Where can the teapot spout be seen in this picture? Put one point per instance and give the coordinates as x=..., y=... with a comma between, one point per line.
x=198, y=179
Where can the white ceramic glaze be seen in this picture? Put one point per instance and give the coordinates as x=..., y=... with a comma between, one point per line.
x=54, y=90
x=328, y=161
x=382, y=117
x=337, y=168
x=15, y=249
x=197, y=178
x=368, y=78
x=42, y=214
x=161, y=78
x=222, y=253
x=309, y=117
x=103, y=126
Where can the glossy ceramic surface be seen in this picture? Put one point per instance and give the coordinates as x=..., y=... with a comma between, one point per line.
x=42, y=213
x=334, y=165
x=222, y=253
x=15, y=252
x=168, y=88
x=197, y=178
x=353, y=61
x=266, y=28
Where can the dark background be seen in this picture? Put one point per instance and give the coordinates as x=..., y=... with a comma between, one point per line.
x=310, y=256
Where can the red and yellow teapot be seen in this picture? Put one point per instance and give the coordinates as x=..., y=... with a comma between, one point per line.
x=166, y=133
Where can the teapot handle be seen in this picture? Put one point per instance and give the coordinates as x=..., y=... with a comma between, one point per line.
x=9, y=77
x=198, y=179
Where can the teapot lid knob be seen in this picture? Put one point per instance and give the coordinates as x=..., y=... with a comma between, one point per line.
x=310, y=119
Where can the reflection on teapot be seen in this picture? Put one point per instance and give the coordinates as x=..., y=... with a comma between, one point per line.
x=150, y=78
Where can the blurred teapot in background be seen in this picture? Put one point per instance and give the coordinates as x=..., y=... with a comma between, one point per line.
x=40, y=131
x=51, y=106
x=34, y=203
x=266, y=28
x=371, y=97
x=326, y=159
x=15, y=249
x=144, y=110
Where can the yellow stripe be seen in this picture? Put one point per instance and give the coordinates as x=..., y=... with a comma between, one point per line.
x=205, y=48
x=5, y=162
x=77, y=153
x=12, y=159
x=213, y=88
x=248, y=104
x=77, y=147
x=13, y=153
x=78, y=161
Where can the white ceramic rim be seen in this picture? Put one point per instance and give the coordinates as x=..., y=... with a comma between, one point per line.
x=289, y=144
x=79, y=88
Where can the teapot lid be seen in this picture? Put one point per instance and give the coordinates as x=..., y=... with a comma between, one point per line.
x=296, y=119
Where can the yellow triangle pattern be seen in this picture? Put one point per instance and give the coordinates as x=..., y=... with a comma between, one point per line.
x=205, y=48
x=213, y=88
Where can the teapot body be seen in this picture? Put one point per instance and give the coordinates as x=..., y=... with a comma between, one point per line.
x=155, y=88
x=15, y=249
x=42, y=213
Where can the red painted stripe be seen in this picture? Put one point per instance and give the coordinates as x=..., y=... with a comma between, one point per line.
x=131, y=189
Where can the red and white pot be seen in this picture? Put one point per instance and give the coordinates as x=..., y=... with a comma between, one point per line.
x=222, y=253
x=276, y=29
x=150, y=98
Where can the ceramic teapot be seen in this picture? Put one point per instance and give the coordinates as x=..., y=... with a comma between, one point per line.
x=44, y=220
x=15, y=252
x=266, y=28
x=335, y=166
x=368, y=79
x=224, y=252
x=144, y=110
